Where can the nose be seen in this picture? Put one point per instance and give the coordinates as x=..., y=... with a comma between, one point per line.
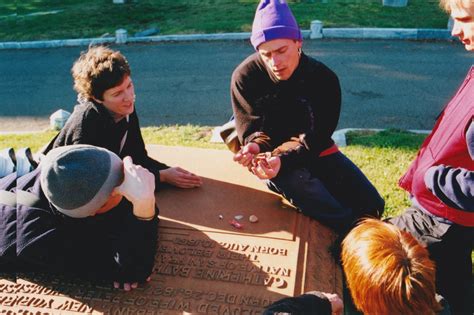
x=276, y=61
x=129, y=94
x=456, y=31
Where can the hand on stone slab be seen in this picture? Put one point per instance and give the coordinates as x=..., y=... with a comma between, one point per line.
x=179, y=177
x=246, y=154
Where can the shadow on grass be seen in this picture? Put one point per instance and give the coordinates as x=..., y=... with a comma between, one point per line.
x=391, y=138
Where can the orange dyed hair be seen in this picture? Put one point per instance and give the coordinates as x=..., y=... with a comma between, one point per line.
x=388, y=271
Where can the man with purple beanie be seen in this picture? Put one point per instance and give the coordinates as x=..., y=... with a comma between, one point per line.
x=286, y=106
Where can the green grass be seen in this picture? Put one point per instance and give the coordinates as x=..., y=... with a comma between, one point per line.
x=383, y=156
x=93, y=18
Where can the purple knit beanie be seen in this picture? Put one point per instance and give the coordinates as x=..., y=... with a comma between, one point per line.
x=273, y=20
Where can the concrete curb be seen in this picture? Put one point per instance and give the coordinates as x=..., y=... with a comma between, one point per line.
x=336, y=33
x=339, y=136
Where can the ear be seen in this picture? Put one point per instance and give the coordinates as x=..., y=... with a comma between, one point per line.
x=97, y=100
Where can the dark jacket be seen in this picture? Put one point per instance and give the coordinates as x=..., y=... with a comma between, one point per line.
x=92, y=124
x=315, y=304
x=112, y=246
x=305, y=108
x=318, y=304
x=7, y=222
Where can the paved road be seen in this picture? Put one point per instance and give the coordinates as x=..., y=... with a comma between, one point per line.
x=398, y=84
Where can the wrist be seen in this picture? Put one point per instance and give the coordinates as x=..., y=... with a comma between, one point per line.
x=162, y=175
x=144, y=209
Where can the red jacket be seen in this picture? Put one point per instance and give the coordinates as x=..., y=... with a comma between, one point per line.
x=445, y=145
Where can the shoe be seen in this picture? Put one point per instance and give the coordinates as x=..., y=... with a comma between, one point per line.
x=7, y=162
x=25, y=162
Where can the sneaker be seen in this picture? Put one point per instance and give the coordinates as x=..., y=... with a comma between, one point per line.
x=7, y=162
x=25, y=162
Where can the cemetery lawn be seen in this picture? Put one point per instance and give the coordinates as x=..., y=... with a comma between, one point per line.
x=63, y=19
x=382, y=156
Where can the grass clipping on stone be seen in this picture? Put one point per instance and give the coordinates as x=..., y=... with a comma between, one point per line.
x=382, y=156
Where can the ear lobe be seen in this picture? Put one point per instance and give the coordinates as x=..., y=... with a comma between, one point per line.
x=96, y=100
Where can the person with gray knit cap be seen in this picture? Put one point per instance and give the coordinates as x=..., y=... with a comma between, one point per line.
x=72, y=216
x=286, y=106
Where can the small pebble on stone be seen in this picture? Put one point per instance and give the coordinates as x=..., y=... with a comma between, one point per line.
x=236, y=224
x=253, y=218
x=221, y=216
x=239, y=217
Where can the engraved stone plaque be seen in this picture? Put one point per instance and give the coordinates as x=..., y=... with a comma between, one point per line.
x=204, y=265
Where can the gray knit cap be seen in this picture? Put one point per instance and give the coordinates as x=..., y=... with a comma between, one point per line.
x=78, y=179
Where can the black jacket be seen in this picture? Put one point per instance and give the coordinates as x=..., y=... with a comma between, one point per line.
x=305, y=108
x=7, y=222
x=112, y=246
x=92, y=124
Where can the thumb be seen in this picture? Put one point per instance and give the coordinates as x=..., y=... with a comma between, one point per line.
x=253, y=148
x=127, y=160
x=273, y=160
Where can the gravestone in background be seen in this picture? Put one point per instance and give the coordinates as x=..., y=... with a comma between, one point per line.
x=395, y=3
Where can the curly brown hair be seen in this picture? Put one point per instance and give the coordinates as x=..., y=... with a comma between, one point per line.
x=388, y=271
x=97, y=70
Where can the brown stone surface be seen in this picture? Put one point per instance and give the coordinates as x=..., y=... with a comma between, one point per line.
x=204, y=265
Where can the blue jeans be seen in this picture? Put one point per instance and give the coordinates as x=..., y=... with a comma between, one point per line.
x=331, y=189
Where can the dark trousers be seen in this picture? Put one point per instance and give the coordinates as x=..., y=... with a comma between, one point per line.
x=331, y=190
x=450, y=247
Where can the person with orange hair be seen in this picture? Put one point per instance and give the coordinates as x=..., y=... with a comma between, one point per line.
x=387, y=272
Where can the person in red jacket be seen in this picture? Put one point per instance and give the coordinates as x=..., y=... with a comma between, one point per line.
x=441, y=182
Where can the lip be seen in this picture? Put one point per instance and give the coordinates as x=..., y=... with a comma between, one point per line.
x=279, y=71
x=128, y=107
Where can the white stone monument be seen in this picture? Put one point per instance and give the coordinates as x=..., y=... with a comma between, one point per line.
x=58, y=119
x=121, y=36
x=395, y=3
x=316, y=29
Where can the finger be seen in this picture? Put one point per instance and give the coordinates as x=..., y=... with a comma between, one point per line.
x=182, y=170
x=257, y=171
x=237, y=156
x=189, y=181
x=116, y=285
x=126, y=287
x=186, y=186
x=265, y=167
x=134, y=285
x=127, y=160
x=246, y=160
x=148, y=279
x=264, y=172
x=190, y=177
